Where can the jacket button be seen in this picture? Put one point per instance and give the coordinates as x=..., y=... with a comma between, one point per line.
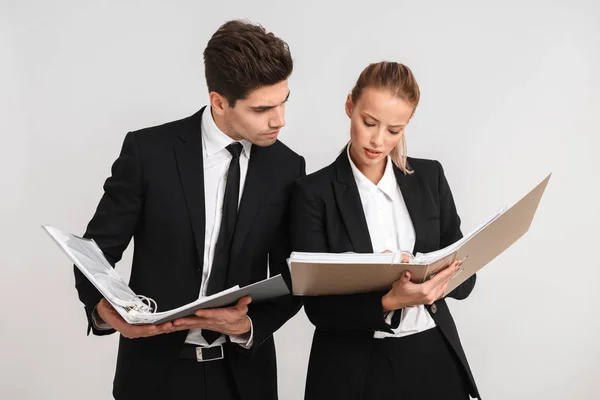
x=433, y=308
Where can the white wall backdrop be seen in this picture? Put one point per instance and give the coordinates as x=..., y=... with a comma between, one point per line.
x=510, y=92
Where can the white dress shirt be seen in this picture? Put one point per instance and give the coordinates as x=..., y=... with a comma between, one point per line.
x=390, y=228
x=216, y=159
x=216, y=164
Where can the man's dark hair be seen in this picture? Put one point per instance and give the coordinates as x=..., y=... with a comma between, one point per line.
x=241, y=57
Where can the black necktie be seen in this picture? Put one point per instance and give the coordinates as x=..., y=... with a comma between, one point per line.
x=220, y=265
x=396, y=319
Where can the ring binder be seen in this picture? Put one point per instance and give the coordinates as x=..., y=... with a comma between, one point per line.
x=139, y=309
x=317, y=274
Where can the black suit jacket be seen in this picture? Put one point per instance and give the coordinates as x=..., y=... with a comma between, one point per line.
x=327, y=216
x=156, y=196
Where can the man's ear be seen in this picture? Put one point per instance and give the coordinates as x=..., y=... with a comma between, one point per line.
x=218, y=103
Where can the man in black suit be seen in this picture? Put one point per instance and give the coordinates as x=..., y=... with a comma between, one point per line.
x=206, y=200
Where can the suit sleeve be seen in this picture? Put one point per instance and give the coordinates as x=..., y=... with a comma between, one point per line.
x=358, y=312
x=267, y=317
x=450, y=230
x=114, y=221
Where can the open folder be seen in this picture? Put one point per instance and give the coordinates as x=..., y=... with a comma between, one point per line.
x=316, y=274
x=138, y=309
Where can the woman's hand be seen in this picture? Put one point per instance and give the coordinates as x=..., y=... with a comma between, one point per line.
x=404, y=256
x=404, y=293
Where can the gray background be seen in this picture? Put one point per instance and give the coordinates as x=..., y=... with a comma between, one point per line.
x=509, y=93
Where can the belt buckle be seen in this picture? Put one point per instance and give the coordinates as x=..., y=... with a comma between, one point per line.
x=214, y=353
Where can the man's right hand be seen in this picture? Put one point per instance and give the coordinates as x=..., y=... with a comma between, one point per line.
x=112, y=318
x=404, y=293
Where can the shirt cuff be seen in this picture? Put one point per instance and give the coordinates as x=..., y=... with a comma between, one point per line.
x=247, y=339
x=98, y=323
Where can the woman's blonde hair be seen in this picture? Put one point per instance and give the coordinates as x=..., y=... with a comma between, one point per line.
x=400, y=81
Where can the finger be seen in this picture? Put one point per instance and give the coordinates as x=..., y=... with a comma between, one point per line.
x=225, y=315
x=186, y=325
x=242, y=306
x=136, y=331
x=446, y=273
x=181, y=321
x=220, y=313
x=178, y=324
x=128, y=330
x=438, y=280
x=179, y=328
x=186, y=321
x=435, y=281
x=149, y=328
x=406, y=258
x=153, y=333
x=453, y=269
x=405, y=277
x=166, y=327
x=244, y=301
x=211, y=313
x=148, y=331
x=239, y=313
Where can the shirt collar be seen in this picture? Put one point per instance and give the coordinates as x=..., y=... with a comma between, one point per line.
x=214, y=140
x=387, y=184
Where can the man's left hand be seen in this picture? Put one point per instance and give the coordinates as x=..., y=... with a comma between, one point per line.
x=231, y=321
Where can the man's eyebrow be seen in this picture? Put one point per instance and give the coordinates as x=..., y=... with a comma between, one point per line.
x=261, y=108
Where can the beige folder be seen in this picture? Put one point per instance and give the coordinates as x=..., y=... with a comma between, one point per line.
x=316, y=274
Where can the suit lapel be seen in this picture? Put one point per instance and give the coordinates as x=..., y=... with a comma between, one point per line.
x=351, y=209
x=189, y=158
x=413, y=198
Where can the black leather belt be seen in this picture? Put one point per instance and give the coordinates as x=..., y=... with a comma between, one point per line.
x=201, y=354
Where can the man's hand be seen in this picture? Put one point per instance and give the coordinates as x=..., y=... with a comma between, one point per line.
x=231, y=321
x=112, y=318
x=404, y=293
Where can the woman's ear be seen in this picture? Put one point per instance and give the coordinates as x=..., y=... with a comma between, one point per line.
x=349, y=106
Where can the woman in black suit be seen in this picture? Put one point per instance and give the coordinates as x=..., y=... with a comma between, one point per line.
x=401, y=343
